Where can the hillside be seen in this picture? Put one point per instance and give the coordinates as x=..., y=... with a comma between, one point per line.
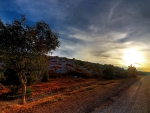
x=62, y=66
x=73, y=67
x=69, y=78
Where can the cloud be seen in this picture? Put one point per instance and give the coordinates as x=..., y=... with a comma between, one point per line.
x=112, y=10
x=93, y=30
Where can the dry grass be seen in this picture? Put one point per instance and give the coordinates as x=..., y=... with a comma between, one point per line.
x=3, y=89
x=61, y=88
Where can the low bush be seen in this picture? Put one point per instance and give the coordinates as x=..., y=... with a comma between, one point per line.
x=45, y=77
x=29, y=92
x=16, y=93
x=12, y=94
x=76, y=73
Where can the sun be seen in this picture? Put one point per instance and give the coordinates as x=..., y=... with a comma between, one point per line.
x=132, y=56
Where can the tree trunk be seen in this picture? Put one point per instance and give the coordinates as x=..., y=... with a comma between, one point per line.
x=23, y=86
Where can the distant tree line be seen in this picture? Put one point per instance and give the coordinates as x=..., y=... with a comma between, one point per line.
x=107, y=71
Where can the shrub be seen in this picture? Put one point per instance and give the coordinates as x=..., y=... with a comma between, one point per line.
x=15, y=93
x=108, y=72
x=12, y=94
x=131, y=71
x=45, y=77
x=29, y=92
x=32, y=79
x=79, y=73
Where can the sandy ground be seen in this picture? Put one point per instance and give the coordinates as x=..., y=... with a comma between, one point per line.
x=82, y=97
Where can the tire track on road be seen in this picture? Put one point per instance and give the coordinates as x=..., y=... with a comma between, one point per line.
x=135, y=99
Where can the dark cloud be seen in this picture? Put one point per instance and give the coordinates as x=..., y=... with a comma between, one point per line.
x=83, y=13
x=99, y=53
x=101, y=29
x=71, y=40
x=105, y=56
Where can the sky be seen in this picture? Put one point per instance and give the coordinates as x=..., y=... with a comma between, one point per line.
x=113, y=32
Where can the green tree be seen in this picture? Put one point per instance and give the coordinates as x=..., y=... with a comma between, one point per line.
x=131, y=71
x=22, y=45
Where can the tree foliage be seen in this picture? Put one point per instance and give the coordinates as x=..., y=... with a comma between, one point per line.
x=21, y=47
x=11, y=77
x=131, y=71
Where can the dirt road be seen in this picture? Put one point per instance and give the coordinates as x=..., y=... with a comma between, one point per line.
x=130, y=95
x=135, y=99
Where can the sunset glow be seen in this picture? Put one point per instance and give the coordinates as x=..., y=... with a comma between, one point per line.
x=134, y=57
x=106, y=32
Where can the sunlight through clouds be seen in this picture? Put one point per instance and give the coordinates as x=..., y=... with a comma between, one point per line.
x=132, y=56
x=93, y=30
